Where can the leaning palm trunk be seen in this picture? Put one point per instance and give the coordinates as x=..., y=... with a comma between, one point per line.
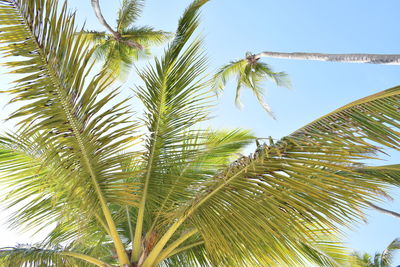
x=393, y=59
x=385, y=211
x=116, y=34
x=102, y=20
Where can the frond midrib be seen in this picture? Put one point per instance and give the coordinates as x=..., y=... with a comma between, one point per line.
x=74, y=124
x=383, y=94
x=139, y=223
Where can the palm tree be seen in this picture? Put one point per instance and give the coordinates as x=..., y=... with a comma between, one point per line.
x=251, y=73
x=388, y=59
x=383, y=259
x=119, y=48
x=171, y=194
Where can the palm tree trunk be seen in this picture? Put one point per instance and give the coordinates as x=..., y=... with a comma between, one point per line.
x=99, y=15
x=117, y=35
x=389, y=212
x=388, y=59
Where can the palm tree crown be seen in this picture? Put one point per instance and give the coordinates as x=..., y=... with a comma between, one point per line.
x=182, y=197
x=251, y=73
x=119, y=48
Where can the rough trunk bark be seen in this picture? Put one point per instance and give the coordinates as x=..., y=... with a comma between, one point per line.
x=389, y=59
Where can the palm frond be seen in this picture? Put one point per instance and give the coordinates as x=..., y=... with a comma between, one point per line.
x=32, y=256
x=38, y=191
x=174, y=100
x=276, y=184
x=128, y=44
x=252, y=75
x=387, y=173
x=388, y=253
x=146, y=36
x=195, y=256
x=43, y=196
x=103, y=50
x=357, y=259
x=202, y=157
x=226, y=72
x=86, y=126
x=370, y=120
x=62, y=108
x=384, y=259
x=128, y=13
x=326, y=250
x=37, y=256
x=119, y=58
x=94, y=37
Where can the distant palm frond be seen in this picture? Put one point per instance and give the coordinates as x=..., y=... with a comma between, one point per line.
x=249, y=74
x=128, y=14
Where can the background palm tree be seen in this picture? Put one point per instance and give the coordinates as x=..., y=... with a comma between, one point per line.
x=119, y=48
x=389, y=59
x=251, y=73
x=182, y=197
x=383, y=259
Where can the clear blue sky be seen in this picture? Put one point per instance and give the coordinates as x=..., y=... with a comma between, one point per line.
x=232, y=27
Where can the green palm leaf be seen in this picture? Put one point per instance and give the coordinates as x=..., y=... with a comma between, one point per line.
x=192, y=256
x=174, y=101
x=40, y=191
x=119, y=56
x=384, y=259
x=145, y=36
x=36, y=256
x=249, y=74
x=277, y=183
x=85, y=126
x=95, y=37
x=388, y=253
x=360, y=260
x=200, y=160
x=129, y=12
x=388, y=173
x=276, y=186
x=370, y=119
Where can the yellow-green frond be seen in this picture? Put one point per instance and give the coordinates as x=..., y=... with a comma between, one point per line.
x=251, y=75
x=83, y=122
x=372, y=120
x=146, y=36
x=37, y=256
x=128, y=13
x=175, y=100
